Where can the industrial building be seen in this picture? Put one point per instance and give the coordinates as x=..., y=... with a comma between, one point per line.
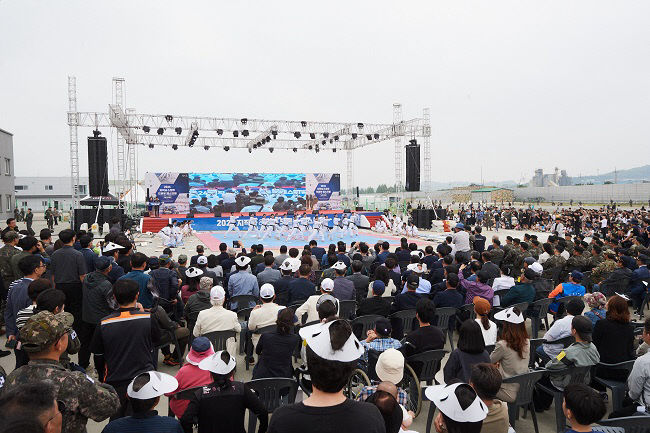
x=39, y=193
x=557, y=178
x=6, y=174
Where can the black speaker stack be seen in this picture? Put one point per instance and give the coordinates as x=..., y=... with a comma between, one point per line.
x=412, y=167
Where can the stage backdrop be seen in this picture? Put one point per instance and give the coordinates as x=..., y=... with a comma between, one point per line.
x=244, y=192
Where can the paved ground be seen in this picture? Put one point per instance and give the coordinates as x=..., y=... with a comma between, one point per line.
x=152, y=246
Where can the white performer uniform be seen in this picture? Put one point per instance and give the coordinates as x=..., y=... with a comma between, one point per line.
x=177, y=235
x=166, y=236
x=316, y=230
x=285, y=226
x=252, y=227
x=353, y=227
x=277, y=222
x=232, y=224
x=263, y=227
x=324, y=227
x=336, y=226
x=346, y=225
x=305, y=225
x=295, y=229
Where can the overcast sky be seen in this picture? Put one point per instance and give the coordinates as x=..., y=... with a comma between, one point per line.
x=512, y=85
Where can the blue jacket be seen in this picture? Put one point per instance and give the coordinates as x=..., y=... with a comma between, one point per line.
x=17, y=299
x=145, y=297
x=636, y=281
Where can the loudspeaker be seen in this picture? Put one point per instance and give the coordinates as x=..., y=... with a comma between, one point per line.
x=217, y=214
x=357, y=192
x=97, y=167
x=346, y=211
x=88, y=216
x=413, y=167
x=314, y=212
x=359, y=208
x=190, y=215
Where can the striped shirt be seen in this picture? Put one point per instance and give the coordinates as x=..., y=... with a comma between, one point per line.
x=23, y=315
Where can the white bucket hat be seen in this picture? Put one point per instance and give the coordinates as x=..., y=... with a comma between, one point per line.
x=159, y=384
x=445, y=399
x=509, y=315
x=318, y=339
x=215, y=364
x=390, y=366
x=192, y=272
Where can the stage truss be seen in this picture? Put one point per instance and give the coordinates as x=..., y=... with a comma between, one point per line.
x=256, y=135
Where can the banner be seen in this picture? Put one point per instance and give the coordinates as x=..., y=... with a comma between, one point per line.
x=244, y=192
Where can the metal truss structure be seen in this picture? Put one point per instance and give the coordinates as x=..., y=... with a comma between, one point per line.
x=170, y=130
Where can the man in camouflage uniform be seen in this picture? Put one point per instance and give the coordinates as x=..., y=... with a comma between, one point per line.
x=577, y=261
x=607, y=267
x=518, y=263
x=596, y=257
x=569, y=243
x=553, y=262
x=44, y=337
x=10, y=238
x=511, y=253
x=496, y=252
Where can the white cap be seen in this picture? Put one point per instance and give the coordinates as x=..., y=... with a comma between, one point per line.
x=340, y=266
x=202, y=260
x=215, y=364
x=509, y=315
x=242, y=260
x=192, y=272
x=318, y=339
x=415, y=267
x=286, y=265
x=418, y=253
x=327, y=284
x=622, y=296
x=536, y=267
x=159, y=384
x=390, y=366
x=111, y=246
x=267, y=291
x=295, y=263
x=217, y=293
x=444, y=397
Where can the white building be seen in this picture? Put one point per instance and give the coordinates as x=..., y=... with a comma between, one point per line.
x=39, y=193
x=6, y=174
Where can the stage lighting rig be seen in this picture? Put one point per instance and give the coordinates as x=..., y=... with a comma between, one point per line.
x=175, y=146
x=206, y=147
x=169, y=118
x=326, y=134
x=226, y=148
x=244, y=121
x=250, y=150
x=303, y=123
x=160, y=131
x=219, y=131
x=245, y=133
x=334, y=150
x=178, y=130
x=150, y=145
x=336, y=138
x=297, y=134
x=360, y=125
x=146, y=129
x=376, y=136
x=192, y=134
x=295, y=150
x=354, y=135
x=271, y=149
x=413, y=142
x=312, y=135
x=369, y=137
x=274, y=133
x=235, y=134
x=310, y=147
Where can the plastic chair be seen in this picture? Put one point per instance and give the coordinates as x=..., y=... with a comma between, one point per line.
x=630, y=424
x=526, y=382
x=405, y=320
x=442, y=316
x=523, y=307
x=427, y=364
x=218, y=338
x=618, y=389
x=177, y=349
x=489, y=348
x=576, y=375
x=347, y=309
x=534, y=344
x=603, y=429
x=273, y=393
x=185, y=394
x=538, y=311
x=249, y=341
x=470, y=309
x=362, y=324
x=242, y=301
x=563, y=303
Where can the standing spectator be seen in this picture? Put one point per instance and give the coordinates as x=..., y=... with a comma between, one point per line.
x=30, y=246
x=86, y=242
x=275, y=349
x=638, y=289
x=112, y=251
x=10, y=239
x=512, y=352
x=56, y=213
x=45, y=338
x=125, y=358
x=138, y=265
x=470, y=351
x=68, y=271
x=49, y=218
x=242, y=283
x=488, y=328
x=11, y=226
x=144, y=393
x=31, y=402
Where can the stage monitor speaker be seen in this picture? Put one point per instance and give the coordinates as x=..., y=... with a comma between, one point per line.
x=346, y=211
x=217, y=214
x=413, y=167
x=359, y=208
x=189, y=215
x=314, y=212
x=97, y=167
x=88, y=216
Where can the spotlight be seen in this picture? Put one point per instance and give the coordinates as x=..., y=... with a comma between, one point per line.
x=244, y=121
x=413, y=142
x=169, y=117
x=376, y=136
x=326, y=134
x=175, y=146
x=206, y=147
x=250, y=150
x=369, y=137
x=295, y=150
x=354, y=135
x=219, y=131
x=146, y=129
x=296, y=134
x=271, y=149
x=331, y=140
x=359, y=125
x=150, y=145
x=160, y=131
x=303, y=123
x=323, y=142
x=334, y=150
x=226, y=148
x=311, y=147
x=235, y=133
x=274, y=133
x=178, y=130
x=312, y=135
x=317, y=149
x=336, y=138
x=245, y=133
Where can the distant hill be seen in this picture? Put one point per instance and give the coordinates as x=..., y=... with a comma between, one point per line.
x=632, y=175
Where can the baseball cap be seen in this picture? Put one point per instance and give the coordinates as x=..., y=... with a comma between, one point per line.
x=102, y=263
x=200, y=349
x=383, y=326
x=241, y=261
x=583, y=327
x=159, y=384
x=216, y=363
x=182, y=258
x=192, y=272
x=42, y=330
x=327, y=285
x=340, y=266
x=217, y=293
x=378, y=287
x=164, y=258
x=446, y=400
x=327, y=297
x=153, y=262
x=111, y=246
x=577, y=275
x=481, y=305
x=202, y=260
x=530, y=274
x=267, y=291
x=459, y=226
x=529, y=260
x=537, y=268
x=317, y=338
x=510, y=315
x=390, y=366
x=413, y=281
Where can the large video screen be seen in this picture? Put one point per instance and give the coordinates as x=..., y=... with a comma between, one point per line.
x=244, y=192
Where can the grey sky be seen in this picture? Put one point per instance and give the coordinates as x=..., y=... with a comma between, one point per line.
x=512, y=85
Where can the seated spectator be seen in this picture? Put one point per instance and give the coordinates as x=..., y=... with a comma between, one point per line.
x=332, y=354
x=486, y=381
x=614, y=338
x=217, y=318
x=379, y=339
x=571, y=288
x=359, y=280
x=582, y=407
x=193, y=278
x=144, y=395
x=596, y=301
x=190, y=375
x=221, y=406
x=275, y=349
x=265, y=314
x=425, y=337
x=32, y=401
x=408, y=300
x=521, y=292
x=460, y=408
x=198, y=302
x=450, y=297
x=382, y=274
x=169, y=328
x=343, y=288
x=476, y=288
x=390, y=410
x=512, y=352
x=561, y=328
x=470, y=351
x=281, y=285
x=389, y=368
x=309, y=307
x=300, y=289
x=376, y=304
x=488, y=328
x=618, y=279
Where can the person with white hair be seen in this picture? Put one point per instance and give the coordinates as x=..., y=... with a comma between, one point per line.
x=217, y=318
x=310, y=306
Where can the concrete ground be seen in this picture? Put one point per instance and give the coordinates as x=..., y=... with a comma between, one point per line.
x=152, y=246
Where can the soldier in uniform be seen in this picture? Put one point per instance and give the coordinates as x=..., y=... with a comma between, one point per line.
x=555, y=261
x=569, y=243
x=596, y=257
x=577, y=261
x=600, y=272
x=512, y=252
x=497, y=252
x=44, y=338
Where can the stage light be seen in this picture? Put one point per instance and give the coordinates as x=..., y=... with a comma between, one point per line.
x=334, y=150
x=312, y=135
x=311, y=147
x=226, y=148
x=146, y=129
x=354, y=135
x=160, y=131
x=250, y=150
x=206, y=147
x=376, y=136
x=323, y=142
x=244, y=121
x=317, y=149
x=336, y=138
x=268, y=139
x=271, y=149
x=296, y=134
x=219, y=131
x=274, y=133
x=303, y=123
x=359, y=125
x=326, y=134
x=245, y=133
x=235, y=133
x=178, y=130
x=169, y=117
x=150, y=145
x=295, y=150
x=175, y=146
x=413, y=142
x=331, y=140
x=369, y=137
